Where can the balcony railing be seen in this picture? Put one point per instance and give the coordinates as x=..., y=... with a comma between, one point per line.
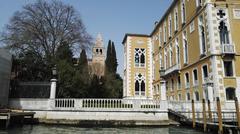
x=172, y=69
x=228, y=49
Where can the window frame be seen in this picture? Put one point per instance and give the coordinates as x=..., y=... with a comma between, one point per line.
x=201, y=24
x=203, y=78
x=233, y=68
x=195, y=82
x=226, y=93
x=187, y=84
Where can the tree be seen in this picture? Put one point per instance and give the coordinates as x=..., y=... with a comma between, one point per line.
x=108, y=61
x=64, y=52
x=114, y=59
x=42, y=28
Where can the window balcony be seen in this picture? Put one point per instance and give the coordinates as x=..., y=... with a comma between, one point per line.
x=171, y=70
x=228, y=49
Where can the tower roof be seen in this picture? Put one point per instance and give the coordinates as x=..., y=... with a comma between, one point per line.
x=99, y=41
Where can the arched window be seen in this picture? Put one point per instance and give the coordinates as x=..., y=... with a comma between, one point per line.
x=100, y=51
x=139, y=84
x=230, y=93
x=142, y=60
x=196, y=96
x=224, y=34
x=183, y=10
x=136, y=87
x=97, y=51
x=188, y=96
x=143, y=88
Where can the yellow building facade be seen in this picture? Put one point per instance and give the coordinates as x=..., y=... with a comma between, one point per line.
x=192, y=53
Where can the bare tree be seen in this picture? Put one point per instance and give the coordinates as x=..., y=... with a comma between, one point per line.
x=44, y=26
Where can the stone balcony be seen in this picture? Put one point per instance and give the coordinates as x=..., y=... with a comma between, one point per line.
x=173, y=69
x=228, y=49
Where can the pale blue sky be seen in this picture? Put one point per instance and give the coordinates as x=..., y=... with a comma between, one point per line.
x=111, y=18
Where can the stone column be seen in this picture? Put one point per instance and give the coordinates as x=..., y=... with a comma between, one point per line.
x=53, y=88
x=163, y=91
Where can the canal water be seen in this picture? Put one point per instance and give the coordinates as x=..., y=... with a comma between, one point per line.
x=45, y=129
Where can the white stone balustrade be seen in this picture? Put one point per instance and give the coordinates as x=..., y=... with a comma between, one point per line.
x=228, y=49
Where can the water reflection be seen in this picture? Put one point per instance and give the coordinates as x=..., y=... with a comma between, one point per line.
x=44, y=129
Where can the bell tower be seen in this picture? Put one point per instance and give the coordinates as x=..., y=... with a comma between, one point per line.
x=98, y=56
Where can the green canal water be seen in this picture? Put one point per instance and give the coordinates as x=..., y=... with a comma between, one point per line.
x=45, y=129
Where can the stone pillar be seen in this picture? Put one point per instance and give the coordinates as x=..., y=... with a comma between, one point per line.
x=163, y=91
x=53, y=88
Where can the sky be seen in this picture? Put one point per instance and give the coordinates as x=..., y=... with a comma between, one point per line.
x=111, y=18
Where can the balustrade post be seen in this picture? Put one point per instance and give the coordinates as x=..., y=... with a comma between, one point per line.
x=204, y=116
x=219, y=111
x=193, y=115
x=209, y=111
x=237, y=111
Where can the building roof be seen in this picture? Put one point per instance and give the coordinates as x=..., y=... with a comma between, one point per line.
x=164, y=16
x=130, y=34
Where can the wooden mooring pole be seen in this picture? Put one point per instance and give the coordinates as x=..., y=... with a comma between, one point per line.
x=204, y=116
x=193, y=115
x=209, y=111
x=219, y=111
x=237, y=111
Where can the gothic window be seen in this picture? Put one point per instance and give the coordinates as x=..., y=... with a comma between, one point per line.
x=187, y=82
x=205, y=73
x=170, y=56
x=165, y=33
x=176, y=19
x=177, y=52
x=195, y=77
x=230, y=93
x=183, y=10
x=140, y=57
x=197, y=96
x=160, y=36
x=97, y=51
x=101, y=51
x=185, y=45
x=224, y=34
x=160, y=60
x=202, y=35
x=169, y=26
x=179, y=82
x=139, y=85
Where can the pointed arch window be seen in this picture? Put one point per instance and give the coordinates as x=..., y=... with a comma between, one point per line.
x=140, y=85
x=183, y=10
x=202, y=35
x=140, y=57
x=224, y=33
x=185, y=45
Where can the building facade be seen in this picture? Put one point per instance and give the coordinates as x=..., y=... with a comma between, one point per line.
x=192, y=53
x=5, y=72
